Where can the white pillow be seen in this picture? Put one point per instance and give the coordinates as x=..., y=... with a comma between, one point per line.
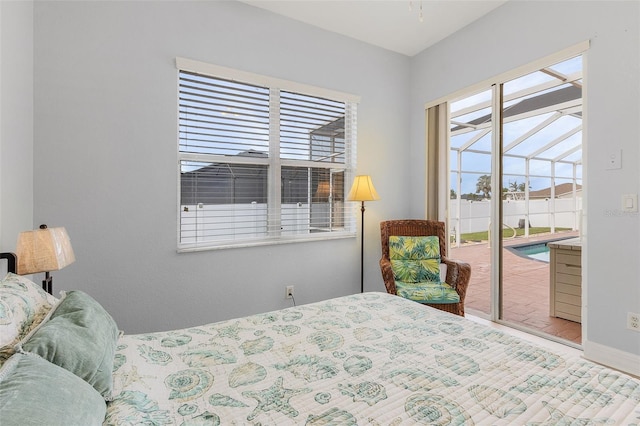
x=23, y=305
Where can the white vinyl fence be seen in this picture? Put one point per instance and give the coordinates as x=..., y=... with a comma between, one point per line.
x=553, y=213
x=207, y=222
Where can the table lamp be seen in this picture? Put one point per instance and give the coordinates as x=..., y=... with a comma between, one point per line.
x=44, y=250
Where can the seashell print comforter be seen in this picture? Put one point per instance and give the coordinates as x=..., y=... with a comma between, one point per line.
x=367, y=359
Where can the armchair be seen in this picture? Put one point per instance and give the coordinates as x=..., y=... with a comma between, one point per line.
x=456, y=276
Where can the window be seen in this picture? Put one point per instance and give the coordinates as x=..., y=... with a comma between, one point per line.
x=261, y=160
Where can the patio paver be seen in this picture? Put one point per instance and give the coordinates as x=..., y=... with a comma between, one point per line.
x=525, y=287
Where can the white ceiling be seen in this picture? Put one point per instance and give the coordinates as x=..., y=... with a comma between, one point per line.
x=391, y=24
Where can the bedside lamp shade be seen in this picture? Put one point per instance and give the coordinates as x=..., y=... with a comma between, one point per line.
x=44, y=250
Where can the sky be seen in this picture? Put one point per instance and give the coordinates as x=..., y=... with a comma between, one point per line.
x=557, y=136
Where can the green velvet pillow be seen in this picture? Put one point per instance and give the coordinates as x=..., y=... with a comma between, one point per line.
x=79, y=336
x=34, y=392
x=427, y=292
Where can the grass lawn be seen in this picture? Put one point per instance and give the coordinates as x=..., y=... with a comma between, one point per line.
x=507, y=233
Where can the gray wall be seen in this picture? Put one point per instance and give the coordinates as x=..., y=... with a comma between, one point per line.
x=106, y=154
x=519, y=33
x=16, y=121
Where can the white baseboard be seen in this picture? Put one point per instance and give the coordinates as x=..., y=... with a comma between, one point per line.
x=624, y=361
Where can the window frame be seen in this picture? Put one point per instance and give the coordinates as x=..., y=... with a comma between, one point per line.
x=274, y=163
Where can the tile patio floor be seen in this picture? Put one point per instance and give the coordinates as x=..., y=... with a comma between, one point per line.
x=526, y=287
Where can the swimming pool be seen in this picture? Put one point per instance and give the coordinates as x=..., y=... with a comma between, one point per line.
x=537, y=251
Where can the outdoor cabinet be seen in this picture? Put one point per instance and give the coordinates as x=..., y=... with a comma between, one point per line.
x=565, y=260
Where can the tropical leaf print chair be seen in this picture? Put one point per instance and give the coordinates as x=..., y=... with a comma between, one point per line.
x=414, y=265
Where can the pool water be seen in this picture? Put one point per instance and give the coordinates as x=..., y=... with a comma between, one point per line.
x=534, y=251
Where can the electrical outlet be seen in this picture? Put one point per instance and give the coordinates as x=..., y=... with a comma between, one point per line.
x=288, y=292
x=633, y=321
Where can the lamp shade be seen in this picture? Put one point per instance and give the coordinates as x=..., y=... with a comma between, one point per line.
x=362, y=189
x=44, y=250
x=324, y=189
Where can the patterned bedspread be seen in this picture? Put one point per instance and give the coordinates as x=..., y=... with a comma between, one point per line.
x=367, y=359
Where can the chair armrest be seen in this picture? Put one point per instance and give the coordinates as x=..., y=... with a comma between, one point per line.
x=458, y=275
x=387, y=275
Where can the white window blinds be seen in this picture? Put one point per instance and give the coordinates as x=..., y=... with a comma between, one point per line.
x=260, y=164
x=222, y=117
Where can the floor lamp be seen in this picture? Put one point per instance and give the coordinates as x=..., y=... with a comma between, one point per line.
x=362, y=190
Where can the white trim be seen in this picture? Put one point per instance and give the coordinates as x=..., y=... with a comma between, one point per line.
x=584, y=226
x=495, y=243
x=178, y=162
x=273, y=82
x=427, y=123
x=611, y=357
x=274, y=171
x=305, y=238
x=213, y=158
x=443, y=164
x=563, y=55
x=313, y=164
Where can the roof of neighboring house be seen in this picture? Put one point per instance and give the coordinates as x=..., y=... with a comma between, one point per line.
x=562, y=190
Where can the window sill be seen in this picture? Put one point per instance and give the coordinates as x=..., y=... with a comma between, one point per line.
x=195, y=247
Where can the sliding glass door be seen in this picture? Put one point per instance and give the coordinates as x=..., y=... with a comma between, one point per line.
x=541, y=196
x=470, y=210
x=515, y=193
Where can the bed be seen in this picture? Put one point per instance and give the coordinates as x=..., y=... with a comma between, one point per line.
x=369, y=358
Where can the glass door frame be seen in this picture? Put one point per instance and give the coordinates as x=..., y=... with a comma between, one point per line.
x=442, y=184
